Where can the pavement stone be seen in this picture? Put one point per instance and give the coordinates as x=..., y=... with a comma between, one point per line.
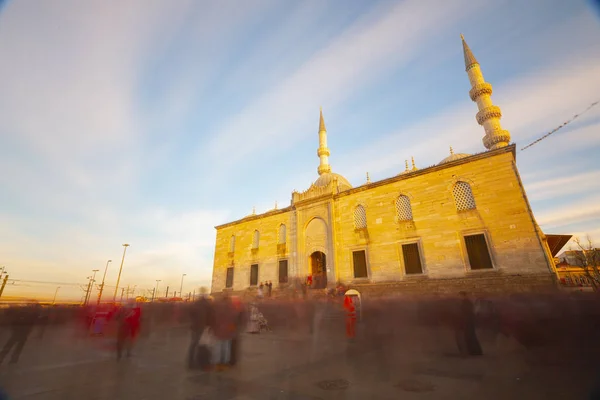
x=285, y=365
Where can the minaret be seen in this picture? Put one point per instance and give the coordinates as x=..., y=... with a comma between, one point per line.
x=323, y=151
x=489, y=115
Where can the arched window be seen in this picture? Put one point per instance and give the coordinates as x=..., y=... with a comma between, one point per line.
x=360, y=217
x=281, y=237
x=403, y=208
x=463, y=196
x=255, y=239
x=232, y=244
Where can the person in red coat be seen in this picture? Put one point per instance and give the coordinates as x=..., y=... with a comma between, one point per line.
x=350, y=317
x=129, y=318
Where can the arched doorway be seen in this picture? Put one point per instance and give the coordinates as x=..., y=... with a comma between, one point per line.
x=318, y=270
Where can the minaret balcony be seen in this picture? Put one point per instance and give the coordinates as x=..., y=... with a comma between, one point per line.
x=487, y=113
x=323, y=169
x=480, y=89
x=496, y=139
x=323, y=151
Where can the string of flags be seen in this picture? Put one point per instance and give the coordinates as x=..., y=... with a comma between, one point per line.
x=562, y=125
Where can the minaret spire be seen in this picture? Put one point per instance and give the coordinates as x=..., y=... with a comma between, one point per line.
x=323, y=151
x=481, y=93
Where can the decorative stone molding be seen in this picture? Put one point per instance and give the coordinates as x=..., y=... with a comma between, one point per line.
x=470, y=67
x=323, y=169
x=281, y=248
x=479, y=89
x=496, y=139
x=487, y=113
x=323, y=152
x=315, y=191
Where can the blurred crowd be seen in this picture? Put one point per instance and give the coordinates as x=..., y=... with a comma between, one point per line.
x=563, y=324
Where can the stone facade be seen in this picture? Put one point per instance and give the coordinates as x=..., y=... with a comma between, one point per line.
x=463, y=223
x=326, y=223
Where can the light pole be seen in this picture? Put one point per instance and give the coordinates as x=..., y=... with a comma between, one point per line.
x=156, y=290
x=91, y=285
x=181, y=286
x=102, y=284
x=55, y=293
x=120, y=270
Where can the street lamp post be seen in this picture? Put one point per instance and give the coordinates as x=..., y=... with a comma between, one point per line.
x=120, y=270
x=55, y=293
x=181, y=286
x=102, y=284
x=91, y=286
x=156, y=289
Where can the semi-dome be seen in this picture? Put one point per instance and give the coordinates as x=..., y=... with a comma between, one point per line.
x=453, y=156
x=328, y=177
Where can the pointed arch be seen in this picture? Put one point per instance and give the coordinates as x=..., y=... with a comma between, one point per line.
x=232, y=244
x=282, y=234
x=256, y=239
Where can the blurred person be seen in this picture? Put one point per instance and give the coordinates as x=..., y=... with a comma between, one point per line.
x=201, y=315
x=240, y=323
x=128, y=318
x=466, y=336
x=269, y=288
x=260, y=292
x=224, y=330
x=253, y=325
x=21, y=320
x=350, y=308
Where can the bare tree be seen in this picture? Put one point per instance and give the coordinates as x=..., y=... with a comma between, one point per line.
x=588, y=258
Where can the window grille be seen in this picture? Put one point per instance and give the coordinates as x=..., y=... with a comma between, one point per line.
x=412, y=259
x=282, y=237
x=463, y=196
x=360, y=217
x=478, y=252
x=229, y=278
x=403, y=208
x=232, y=244
x=255, y=240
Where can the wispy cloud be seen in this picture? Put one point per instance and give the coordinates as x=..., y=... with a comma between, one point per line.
x=108, y=121
x=387, y=38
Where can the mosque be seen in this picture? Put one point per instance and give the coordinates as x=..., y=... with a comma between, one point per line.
x=462, y=224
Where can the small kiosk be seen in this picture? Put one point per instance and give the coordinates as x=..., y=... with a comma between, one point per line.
x=354, y=295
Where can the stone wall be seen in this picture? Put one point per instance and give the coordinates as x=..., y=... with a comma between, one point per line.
x=267, y=255
x=502, y=215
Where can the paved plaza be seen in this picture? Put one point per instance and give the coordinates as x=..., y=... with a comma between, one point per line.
x=290, y=365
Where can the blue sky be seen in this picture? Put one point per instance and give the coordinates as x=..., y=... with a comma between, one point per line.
x=150, y=122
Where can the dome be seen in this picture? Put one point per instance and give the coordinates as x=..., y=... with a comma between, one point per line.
x=327, y=177
x=454, y=157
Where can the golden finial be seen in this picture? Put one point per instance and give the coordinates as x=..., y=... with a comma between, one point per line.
x=368, y=178
x=253, y=210
x=470, y=59
x=413, y=164
x=276, y=205
x=406, y=165
x=451, y=151
x=321, y=121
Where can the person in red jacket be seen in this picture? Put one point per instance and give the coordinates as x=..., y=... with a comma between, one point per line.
x=350, y=317
x=129, y=318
